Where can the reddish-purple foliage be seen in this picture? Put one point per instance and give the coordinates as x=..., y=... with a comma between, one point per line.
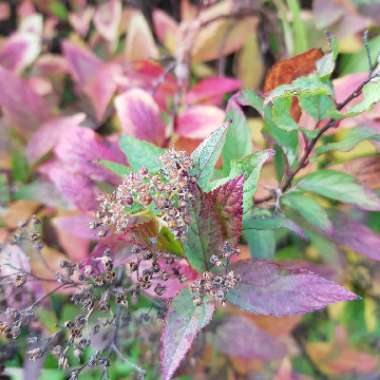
x=281, y=289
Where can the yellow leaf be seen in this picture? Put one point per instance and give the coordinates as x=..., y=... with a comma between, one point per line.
x=139, y=42
x=249, y=65
x=370, y=314
x=221, y=38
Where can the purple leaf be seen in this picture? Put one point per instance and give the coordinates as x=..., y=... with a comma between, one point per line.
x=212, y=90
x=76, y=225
x=83, y=64
x=82, y=148
x=19, y=50
x=101, y=89
x=238, y=336
x=140, y=116
x=183, y=323
x=46, y=137
x=97, y=80
x=107, y=19
x=22, y=105
x=198, y=122
x=281, y=289
x=359, y=238
x=76, y=188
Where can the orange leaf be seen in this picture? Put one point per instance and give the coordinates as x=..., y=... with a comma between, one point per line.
x=287, y=70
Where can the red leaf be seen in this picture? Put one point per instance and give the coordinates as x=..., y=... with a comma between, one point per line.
x=183, y=323
x=146, y=75
x=228, y=202
x=212, y=90
x=238, y=336
x=198, y=122
x=281, y=289
x=140, y=116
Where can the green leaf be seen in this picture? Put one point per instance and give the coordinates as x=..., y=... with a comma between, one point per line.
x=308, y=85
x=352, y=138
x=371, y=96
x=308, y=208
x=250, y=98
x=167, y=242
x=115, y=167
x=299, y=31
x=287, y=141
x=281, y=114
x=4, y=190
x=262, y=243
x=206, y=155
x=341, y=187
x=238, y=139
x=261, y=219
x=326, y=64
x=20, y=167
x=319, y=107
x=140, y=153
x=250, y=166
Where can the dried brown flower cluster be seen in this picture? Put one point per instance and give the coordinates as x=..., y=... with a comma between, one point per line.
x=165, y=193
x=216, y=283
x=153, y=270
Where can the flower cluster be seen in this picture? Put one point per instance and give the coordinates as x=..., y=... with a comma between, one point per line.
x=165, y=193
x=215, y=284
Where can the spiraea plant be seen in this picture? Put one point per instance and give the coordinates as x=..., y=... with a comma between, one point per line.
x=170, y=235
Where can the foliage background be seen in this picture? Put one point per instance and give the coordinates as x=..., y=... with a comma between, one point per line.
x=75, y=75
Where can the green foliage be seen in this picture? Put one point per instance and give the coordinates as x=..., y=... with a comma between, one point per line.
x=116, y=168
x=339, y=186
x=140, y=153
x=238, y=140
x=309, y=208
x=206, y=155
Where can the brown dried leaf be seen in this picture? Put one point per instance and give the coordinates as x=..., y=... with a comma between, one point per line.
x=19, y=212
x=287, y=70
